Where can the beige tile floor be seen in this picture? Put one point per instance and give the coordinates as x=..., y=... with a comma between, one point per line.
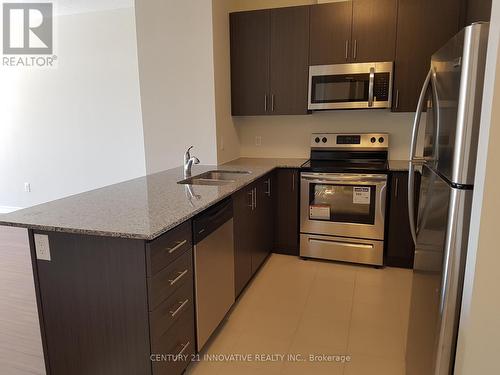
x=302, y=307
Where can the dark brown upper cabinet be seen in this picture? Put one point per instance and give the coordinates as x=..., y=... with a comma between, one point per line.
x=374, y=30
x=330, y=36
x=250, y=62
x=289, y=63
x=353, y=31
x=423, y=27
x=269, y=61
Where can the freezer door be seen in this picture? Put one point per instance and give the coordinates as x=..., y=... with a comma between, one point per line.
x=442, y=230
x=458, y=79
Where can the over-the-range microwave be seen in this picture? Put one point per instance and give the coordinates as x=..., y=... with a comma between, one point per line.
x=350, y=86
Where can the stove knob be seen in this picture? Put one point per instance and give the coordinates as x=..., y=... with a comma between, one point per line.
x=373, y=140
x=316, y=140
x=381, y=139
x=324, y=139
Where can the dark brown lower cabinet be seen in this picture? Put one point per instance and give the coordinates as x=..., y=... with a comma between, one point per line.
x=103, y=313
x=253, y=208
x=286, y=232
x=245, y=229
x=265, y=220
x=400, y=248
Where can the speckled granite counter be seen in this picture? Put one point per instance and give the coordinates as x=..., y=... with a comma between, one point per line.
x=398, y=165
x=142, y=208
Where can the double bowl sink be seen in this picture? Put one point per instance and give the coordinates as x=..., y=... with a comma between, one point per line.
x=215, y=177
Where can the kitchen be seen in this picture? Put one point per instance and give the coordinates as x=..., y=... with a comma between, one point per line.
x=287, y=233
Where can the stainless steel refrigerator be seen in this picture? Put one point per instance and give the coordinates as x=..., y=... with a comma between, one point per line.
x=451, y=96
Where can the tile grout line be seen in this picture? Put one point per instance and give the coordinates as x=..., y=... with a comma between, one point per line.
x=350, y=317
x=301, y=315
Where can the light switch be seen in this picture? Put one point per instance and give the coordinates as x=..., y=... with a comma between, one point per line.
x=42, y=247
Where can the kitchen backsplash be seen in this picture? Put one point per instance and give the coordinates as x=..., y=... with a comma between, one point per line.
x=289, y=136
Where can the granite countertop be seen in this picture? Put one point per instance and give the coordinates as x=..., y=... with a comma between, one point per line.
x=142, y=208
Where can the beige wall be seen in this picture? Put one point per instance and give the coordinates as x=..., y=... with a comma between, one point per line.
x=176, y=69
x=479, y=333
x=289, y=136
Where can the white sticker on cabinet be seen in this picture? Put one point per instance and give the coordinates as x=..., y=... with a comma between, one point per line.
x=361, y=195
x=42, y=247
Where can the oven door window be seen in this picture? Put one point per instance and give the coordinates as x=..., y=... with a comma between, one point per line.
x=340, y=88
x=342, y=203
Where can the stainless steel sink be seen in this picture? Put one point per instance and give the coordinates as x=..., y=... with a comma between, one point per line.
x=216, y=177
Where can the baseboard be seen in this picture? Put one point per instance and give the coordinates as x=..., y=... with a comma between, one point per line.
x=7, y=209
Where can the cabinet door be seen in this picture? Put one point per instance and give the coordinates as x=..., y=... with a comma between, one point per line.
x=423, y=27
x=287, y=212
x=477, y=11
x=400, y=246
x=250, y=62
x=374, y=30
x=330, y=37
x=289, y=67
x=265, y=221
x=244, y=237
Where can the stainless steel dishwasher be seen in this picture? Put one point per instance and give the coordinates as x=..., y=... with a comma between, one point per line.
x=213, y=268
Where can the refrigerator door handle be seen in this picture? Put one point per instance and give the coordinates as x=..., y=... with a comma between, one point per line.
x=418, y=115
x=413, y=147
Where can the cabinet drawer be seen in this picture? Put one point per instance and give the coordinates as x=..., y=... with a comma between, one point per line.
x=171, y=310
x=171, y=278
x=163, y=250
x=177, y=346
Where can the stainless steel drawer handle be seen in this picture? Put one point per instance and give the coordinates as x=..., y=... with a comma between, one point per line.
x=179, y=245
x=176, y=311
x=184, y=347
x=346, y=244
x=179, y=276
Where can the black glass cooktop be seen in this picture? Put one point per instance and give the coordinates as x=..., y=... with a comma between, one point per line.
x=346, y=166
x=347, y=161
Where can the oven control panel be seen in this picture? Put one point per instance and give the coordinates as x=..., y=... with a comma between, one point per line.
x=350, y=141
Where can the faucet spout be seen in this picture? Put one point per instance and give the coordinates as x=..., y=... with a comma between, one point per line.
x=188, y=162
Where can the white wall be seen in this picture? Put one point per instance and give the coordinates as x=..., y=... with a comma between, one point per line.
x=479, y=333
x=176, y=67
x=228, y=143
x=78, y=126
x=289, y=136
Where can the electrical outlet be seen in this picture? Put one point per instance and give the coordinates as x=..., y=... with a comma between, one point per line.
x=42, y=247
x=27, y=187
x=258, y=140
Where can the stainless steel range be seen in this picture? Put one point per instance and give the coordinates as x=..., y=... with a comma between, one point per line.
x=343, y=198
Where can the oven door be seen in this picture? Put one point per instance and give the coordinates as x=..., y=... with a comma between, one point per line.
x=345, y=86
x=346, y=205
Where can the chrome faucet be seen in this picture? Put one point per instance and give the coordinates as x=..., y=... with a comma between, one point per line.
x=188, y=162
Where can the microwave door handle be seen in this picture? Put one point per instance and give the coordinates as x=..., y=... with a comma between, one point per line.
x=370, y=87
